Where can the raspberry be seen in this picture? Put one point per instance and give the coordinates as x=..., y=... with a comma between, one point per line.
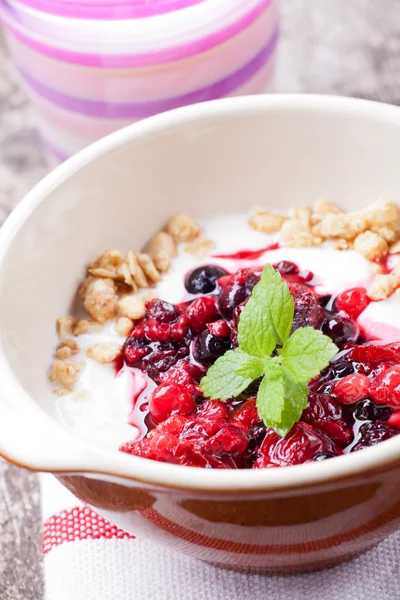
x=157, y=332
x=161, y=311
x=133, y=354
x=184, y=373
x=156, y=347
x=385, y=387
x=180, y=329
x=373, y=433
x=352, y=302
x=170, y=398
x=352, y=388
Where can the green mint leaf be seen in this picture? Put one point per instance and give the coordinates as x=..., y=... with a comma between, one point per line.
x=271, y=394
x=256, y=332
x=296, y=396
x=281, y=303
x=306, y=353
x=252, y=368
x=221, y=381
x=267, y=318
x=280, y=401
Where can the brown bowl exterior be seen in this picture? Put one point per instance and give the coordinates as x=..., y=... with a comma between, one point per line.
x=271, y=532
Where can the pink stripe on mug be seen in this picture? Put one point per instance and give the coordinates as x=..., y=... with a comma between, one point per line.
x=175, y=52
x=151, y=83
x=129, y=36
x=131, y=9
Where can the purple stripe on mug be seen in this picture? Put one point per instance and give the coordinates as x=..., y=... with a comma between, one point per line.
x=174, y=53
x=130, y=9
x=140, y=110
x=62, y=125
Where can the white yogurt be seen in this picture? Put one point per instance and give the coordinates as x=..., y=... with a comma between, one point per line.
x=101, y=407
x=105, y=407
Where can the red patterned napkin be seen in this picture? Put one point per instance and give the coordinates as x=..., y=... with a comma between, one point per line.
x=87, y=558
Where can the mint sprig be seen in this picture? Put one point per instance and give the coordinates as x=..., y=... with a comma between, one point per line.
x=264, y=329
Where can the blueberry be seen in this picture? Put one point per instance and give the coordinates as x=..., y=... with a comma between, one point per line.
x=323, y=456
x=340, y=329
x=367, y=410
x=207, y=347
x=343, y=368
x=203, y=280
x=257, y=432
x=237, y=402
x=327, y=302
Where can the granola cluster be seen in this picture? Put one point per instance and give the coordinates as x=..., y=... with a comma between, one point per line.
x=373, y=232
x=119, y=286
x=64, y=370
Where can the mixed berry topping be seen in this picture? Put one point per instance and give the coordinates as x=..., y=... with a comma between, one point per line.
x=352, y=403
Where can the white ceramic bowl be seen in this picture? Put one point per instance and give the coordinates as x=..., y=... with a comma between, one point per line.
x=218, y=156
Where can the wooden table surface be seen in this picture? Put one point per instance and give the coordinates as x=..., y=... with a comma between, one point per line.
x=327, y=46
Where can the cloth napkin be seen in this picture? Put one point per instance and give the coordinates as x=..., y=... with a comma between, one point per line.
x=87, y=558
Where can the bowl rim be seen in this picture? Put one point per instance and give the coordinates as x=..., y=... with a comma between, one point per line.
x=88, y=457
